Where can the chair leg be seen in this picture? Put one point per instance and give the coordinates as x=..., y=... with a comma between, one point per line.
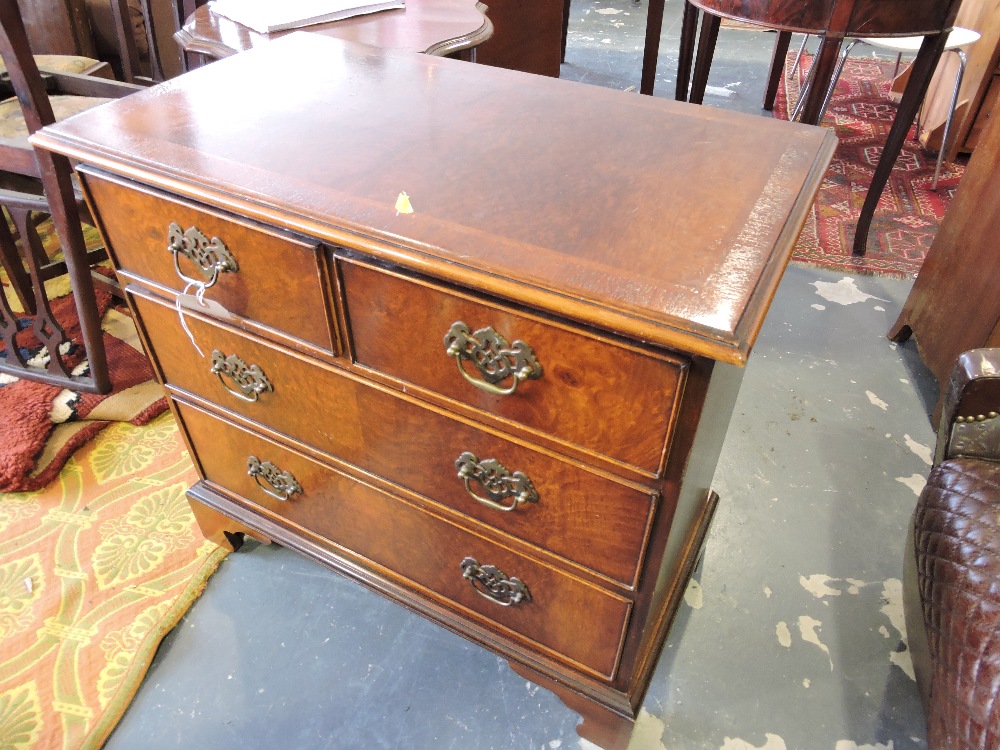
x=651, y=48
x=565, y=30
x=820, y=75
x=920, y=77
x=962, y=61
x=706, y=51
x=55, y=173
x=10, y=259
x=778, y=56
x=798, y=55
x=689, y=32
x=836, y=76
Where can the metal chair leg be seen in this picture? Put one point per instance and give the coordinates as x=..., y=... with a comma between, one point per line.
x=836, y=76
x=962, y=61
x=798, y=55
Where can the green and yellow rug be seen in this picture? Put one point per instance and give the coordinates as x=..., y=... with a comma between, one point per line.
x=94, y=570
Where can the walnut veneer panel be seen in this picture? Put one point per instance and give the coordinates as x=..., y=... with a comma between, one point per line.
x=579, y=515
x=677, y=233
x=416, y=547
x=603, y=396
x=272, y=266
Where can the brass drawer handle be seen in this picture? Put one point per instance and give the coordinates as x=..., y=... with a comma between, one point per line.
x=499, y=483
x=491, y=583
x=211, y=256
x=281, y=484
x=250, y=380
x=495, y=359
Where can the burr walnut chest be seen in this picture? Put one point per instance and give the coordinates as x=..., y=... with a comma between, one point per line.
x=468, y=336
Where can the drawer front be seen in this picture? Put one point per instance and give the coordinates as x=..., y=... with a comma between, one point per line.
x=583, y=390
x=277, y=280
x=424, y=552
x=581, y=516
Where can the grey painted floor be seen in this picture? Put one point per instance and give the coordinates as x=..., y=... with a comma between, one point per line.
x=791, y=637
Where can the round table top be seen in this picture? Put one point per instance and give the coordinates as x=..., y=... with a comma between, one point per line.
x=436, y=27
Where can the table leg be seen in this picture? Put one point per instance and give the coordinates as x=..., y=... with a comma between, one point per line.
x=920, y=77
x=819, y=76
x=689, y=31
x=778, y=56
x=651, y=47
x=706, y=51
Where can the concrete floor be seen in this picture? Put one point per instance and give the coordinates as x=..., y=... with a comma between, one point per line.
x=791, y=637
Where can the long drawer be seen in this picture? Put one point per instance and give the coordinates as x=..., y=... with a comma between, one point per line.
x=414, y=547
x=577, y=514
x=587, y=391
x=259, y=273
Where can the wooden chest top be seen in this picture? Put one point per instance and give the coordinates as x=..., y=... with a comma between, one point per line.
x=665, y=222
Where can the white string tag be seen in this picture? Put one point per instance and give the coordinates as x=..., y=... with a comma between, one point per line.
x=199, y=302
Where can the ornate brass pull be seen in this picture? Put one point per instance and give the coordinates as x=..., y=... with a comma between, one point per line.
x=282, y=485
x=495, y=359
x=211, y=256
x=250, y=380
x=499, y=483
x=491, y=583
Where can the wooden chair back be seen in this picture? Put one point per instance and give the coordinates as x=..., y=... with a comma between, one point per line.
x=34, y=181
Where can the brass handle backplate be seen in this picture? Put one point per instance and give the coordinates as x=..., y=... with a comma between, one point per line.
x=250, y=380
x=494, y=358
x=491, y=583
x=505, y=490
x=280, y=484
x=211, y=256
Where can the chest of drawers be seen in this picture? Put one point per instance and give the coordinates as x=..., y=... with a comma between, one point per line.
x=502, y=410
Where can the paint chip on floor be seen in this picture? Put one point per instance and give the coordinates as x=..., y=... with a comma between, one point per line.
x=817, y=306
x=808, y=628
x=806, y=683
x=816, y=585
x=608, y=11
x=892, y=596
x=647, y=734
x=784, y=634
x=849, y=745
x=772, y=742
x=843, y=292
x=876, y=401
x=915, y=482
x=693, y=595
x=924, y=451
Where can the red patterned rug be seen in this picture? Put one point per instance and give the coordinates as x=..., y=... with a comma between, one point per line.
x=42, y=425
x=908, y=213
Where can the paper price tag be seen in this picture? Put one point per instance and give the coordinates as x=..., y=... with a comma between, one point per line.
x=204, y=305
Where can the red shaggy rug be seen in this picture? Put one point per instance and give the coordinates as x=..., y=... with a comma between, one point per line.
x=43, y=425
x=908, y=213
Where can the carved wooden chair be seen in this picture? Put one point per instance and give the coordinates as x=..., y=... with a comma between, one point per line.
x=833, y=20
x=141, y=34
x=36, y=183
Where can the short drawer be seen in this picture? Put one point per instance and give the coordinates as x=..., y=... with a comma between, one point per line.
x=579, y=515
x=578, y=388
x=272, y=278
x=424, y=552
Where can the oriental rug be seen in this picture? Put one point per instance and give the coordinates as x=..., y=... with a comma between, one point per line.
x=43, y=424
x=94, y=570
x=908, y=213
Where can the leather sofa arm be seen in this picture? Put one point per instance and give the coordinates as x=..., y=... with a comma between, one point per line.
x=970, y=425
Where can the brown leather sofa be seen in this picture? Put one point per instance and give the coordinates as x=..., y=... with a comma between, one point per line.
x=951, y=577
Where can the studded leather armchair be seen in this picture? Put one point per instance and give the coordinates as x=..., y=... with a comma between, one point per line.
x=951, y=577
